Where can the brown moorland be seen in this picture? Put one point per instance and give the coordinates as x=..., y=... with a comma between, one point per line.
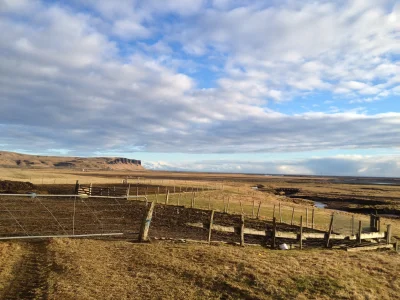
x=100, y=269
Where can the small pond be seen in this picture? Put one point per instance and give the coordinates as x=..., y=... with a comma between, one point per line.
x=320, y=204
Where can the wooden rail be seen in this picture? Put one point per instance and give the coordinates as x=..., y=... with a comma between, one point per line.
x=288, y=235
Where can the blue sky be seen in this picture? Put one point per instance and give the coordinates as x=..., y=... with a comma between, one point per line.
x=307, y=87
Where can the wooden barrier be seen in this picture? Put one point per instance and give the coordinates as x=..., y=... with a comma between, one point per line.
x=301, y=236
x=101, y=191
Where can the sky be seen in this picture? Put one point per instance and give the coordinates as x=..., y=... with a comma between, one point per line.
x=274, y=86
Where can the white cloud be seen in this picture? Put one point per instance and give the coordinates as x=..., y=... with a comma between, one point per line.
x=309, y=46
x=130, y=29
x=67, y=82
x=341, y=165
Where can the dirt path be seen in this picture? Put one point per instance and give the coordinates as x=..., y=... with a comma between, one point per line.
x=30, y=275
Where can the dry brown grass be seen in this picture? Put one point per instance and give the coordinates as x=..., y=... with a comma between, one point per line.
x=90, y=269
x=11, y=254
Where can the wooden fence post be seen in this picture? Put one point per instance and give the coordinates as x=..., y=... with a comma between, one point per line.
x=76, y=187
x=167, y=197
x=372, y=223
x=359, y=232
x=328, y=238
x=144, y=229
x=273, y=233
x=242, y=230
x=252, y=212
x=378, y=222
x=210, y=226
x=209, y=202
x=280, y=213
x=352, y=225
x=291, y=222
x=193, y=200
x=241, y=207
x=258, y=210
x=389, y=234
x=312, y=218
x=227, y=204
x=273, y=213
x=128, y=189
x=301, y=232
x=307, y=217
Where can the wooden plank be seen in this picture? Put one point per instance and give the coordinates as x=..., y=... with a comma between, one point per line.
x=369, y=248
x=286, y=235
x=372, y=235
x=338, y=236
x=353, y=237
x=223, y=228
x=251, y=231
x=313, y=235
x=198, y=225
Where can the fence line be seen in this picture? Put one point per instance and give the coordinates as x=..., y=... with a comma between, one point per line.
x=106, y=215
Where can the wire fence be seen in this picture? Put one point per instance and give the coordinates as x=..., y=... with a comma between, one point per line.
x=45, y=215
x=33, y=215
x=260, y=206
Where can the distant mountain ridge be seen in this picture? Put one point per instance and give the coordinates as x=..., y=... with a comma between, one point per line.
x=18, y=160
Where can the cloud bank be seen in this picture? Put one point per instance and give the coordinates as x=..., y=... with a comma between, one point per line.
x=347, y=165
x=199, y=76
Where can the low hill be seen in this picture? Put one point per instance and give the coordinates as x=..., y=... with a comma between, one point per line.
x=17, y=160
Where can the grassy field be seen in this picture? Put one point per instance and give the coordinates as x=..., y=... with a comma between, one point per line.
x=90, y=269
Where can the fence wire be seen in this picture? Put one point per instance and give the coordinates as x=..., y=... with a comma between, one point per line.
x=73, y=215
x=39, y=216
